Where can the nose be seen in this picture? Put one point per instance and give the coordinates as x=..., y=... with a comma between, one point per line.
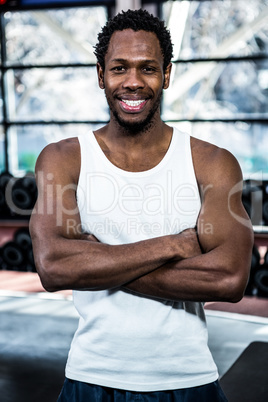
x=133, y=80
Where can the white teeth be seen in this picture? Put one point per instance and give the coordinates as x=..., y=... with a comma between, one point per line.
x=133, y=103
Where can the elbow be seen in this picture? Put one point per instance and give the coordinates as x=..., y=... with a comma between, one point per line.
x=48, y=285
x=236, y=294
x=232, y=293
x=47, y=275
x=233, y=287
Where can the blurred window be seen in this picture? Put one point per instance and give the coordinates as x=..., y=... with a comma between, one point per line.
x=216, y=90
x=49, y=76
x=218, y=28
x=219, y=82
x=247, y=141
x=2, y=149
x=28, y=140
x=53, y=36
x=56, y=94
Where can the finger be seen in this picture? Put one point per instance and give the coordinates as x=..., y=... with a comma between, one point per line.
x=91, y=237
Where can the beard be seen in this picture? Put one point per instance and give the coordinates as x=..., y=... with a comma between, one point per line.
x=135, y=128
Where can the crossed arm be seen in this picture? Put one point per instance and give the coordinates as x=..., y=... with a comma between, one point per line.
x=171, y=267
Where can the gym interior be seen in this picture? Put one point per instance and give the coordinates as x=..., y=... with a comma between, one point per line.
x=218, y=93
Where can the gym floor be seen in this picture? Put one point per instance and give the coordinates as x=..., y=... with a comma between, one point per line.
x=36, y=330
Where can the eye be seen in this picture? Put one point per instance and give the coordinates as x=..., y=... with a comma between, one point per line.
x=118, y=69
x=149, y=69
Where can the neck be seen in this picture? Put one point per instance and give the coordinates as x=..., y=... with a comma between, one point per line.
x=135, y=153
x=140, y=135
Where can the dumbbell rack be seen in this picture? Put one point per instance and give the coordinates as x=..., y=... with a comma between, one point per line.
x=258, y=281
x=17, y=199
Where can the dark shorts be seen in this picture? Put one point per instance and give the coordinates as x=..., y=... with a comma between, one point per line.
x=76, y=391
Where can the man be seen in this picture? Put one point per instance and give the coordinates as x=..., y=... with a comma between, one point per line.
x=145, y=224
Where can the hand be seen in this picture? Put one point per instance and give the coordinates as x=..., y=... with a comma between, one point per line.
x=89, y=237
x=188, y=244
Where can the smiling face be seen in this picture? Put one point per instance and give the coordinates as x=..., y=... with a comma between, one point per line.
x=133, y=79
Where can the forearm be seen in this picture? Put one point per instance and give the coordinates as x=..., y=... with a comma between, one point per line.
x=208, y=277
x=88, y=265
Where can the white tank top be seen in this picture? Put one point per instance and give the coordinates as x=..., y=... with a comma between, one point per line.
x=125, y=340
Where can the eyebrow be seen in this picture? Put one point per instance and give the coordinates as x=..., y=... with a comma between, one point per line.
x=126, y=61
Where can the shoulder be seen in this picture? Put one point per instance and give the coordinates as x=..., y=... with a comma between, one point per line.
x=213, y=164
x=61, y=148
x=60, y=157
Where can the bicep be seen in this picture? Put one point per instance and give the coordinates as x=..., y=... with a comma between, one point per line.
x=223, y=222
x=56, y=211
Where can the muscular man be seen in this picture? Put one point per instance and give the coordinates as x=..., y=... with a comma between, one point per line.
x=145, y=224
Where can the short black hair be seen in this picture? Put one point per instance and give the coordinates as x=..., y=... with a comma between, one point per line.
x=137, y=20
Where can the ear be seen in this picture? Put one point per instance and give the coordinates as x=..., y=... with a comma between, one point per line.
x=100, y=72
x=167, y=76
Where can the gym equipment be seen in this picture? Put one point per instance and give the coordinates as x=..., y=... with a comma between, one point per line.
x=265, y=212
x=2, y=198
x=17, y=254
x=23, y=239
x=246, y=380
x=4, y=179
x=261, y=281
x=23, y=194
x=255, y=259
x=30, y=261
x=4, y=210
x=266, y=258
x=265, y=203
x=13, y=256
x=17, y=196
x=255, y=265
x=252, y=198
